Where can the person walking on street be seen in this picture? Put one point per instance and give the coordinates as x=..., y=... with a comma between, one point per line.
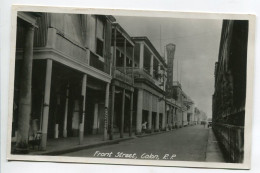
x=144, y=127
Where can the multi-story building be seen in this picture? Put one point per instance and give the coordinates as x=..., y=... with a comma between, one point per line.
x=149, y=81
x=122, y=83
x=62, y=74
x=230, y=89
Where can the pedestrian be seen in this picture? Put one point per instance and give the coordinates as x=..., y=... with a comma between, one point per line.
x=144, y=127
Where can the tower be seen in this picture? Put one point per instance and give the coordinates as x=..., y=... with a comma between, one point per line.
x=170, y=49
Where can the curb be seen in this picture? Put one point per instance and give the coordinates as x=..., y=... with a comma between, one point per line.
x=103, y=143
x=81, y=147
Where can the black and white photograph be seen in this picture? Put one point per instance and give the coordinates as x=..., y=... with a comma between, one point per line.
x=139, y=88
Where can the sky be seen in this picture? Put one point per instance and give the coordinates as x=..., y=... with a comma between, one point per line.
x=197, y=45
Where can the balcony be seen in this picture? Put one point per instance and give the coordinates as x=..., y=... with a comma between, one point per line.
x=70, y=48
x=76, y=52
x=143, y=74
x=124, y=76
x=175, y=102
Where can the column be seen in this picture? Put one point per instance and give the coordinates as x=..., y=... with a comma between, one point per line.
x=66, y=113
x=133, y=64
x=167, y=117
x=83, y=96
x=169, y=122
x=47, y=92
x=170, y=117
x=114, y=52
x=181, y=117
x=131, y=113
x=106, y=112
x=178, y=117
x=112, y=112
x=157, y=116
x=182, y=120
x=163, y=79
x=125, y=56
x=193, y=118
x=175, y=119
x=24, y=111
x=163, y=116
x=173, y=115
x=122, y=115
x=139, y=114
x=182, y=123
x=95, y=120
x=149, y=129
x=159, y=68
x=151, y=65
x=141, y=57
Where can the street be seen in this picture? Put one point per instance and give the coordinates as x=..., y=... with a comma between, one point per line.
x=184, y=144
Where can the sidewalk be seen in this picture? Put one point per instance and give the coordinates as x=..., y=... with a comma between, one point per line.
x=214, y=153
x=71, y=144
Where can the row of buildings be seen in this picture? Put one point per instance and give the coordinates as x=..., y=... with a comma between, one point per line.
x=230, y=89
x=80, y=74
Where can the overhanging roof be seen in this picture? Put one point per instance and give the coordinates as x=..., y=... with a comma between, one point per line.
x=150, y=45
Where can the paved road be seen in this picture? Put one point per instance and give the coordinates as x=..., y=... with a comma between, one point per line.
x=185, y=144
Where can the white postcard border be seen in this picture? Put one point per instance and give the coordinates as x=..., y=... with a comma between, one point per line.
x=195, y=15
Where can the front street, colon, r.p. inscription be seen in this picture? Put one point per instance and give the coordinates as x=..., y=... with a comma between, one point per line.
x=148, y=156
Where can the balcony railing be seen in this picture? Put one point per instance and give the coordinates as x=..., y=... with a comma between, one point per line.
x=124, y=75
x=71, y=48
x=173, y=101
x=142, y=74
x=78, y=53
x=96, y=61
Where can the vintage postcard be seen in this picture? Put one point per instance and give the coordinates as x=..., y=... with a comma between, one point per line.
x=131, y=87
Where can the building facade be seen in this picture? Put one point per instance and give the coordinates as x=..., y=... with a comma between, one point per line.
x=68, y=74
x=230, y=89
x=122, y=84
x=149, y=81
